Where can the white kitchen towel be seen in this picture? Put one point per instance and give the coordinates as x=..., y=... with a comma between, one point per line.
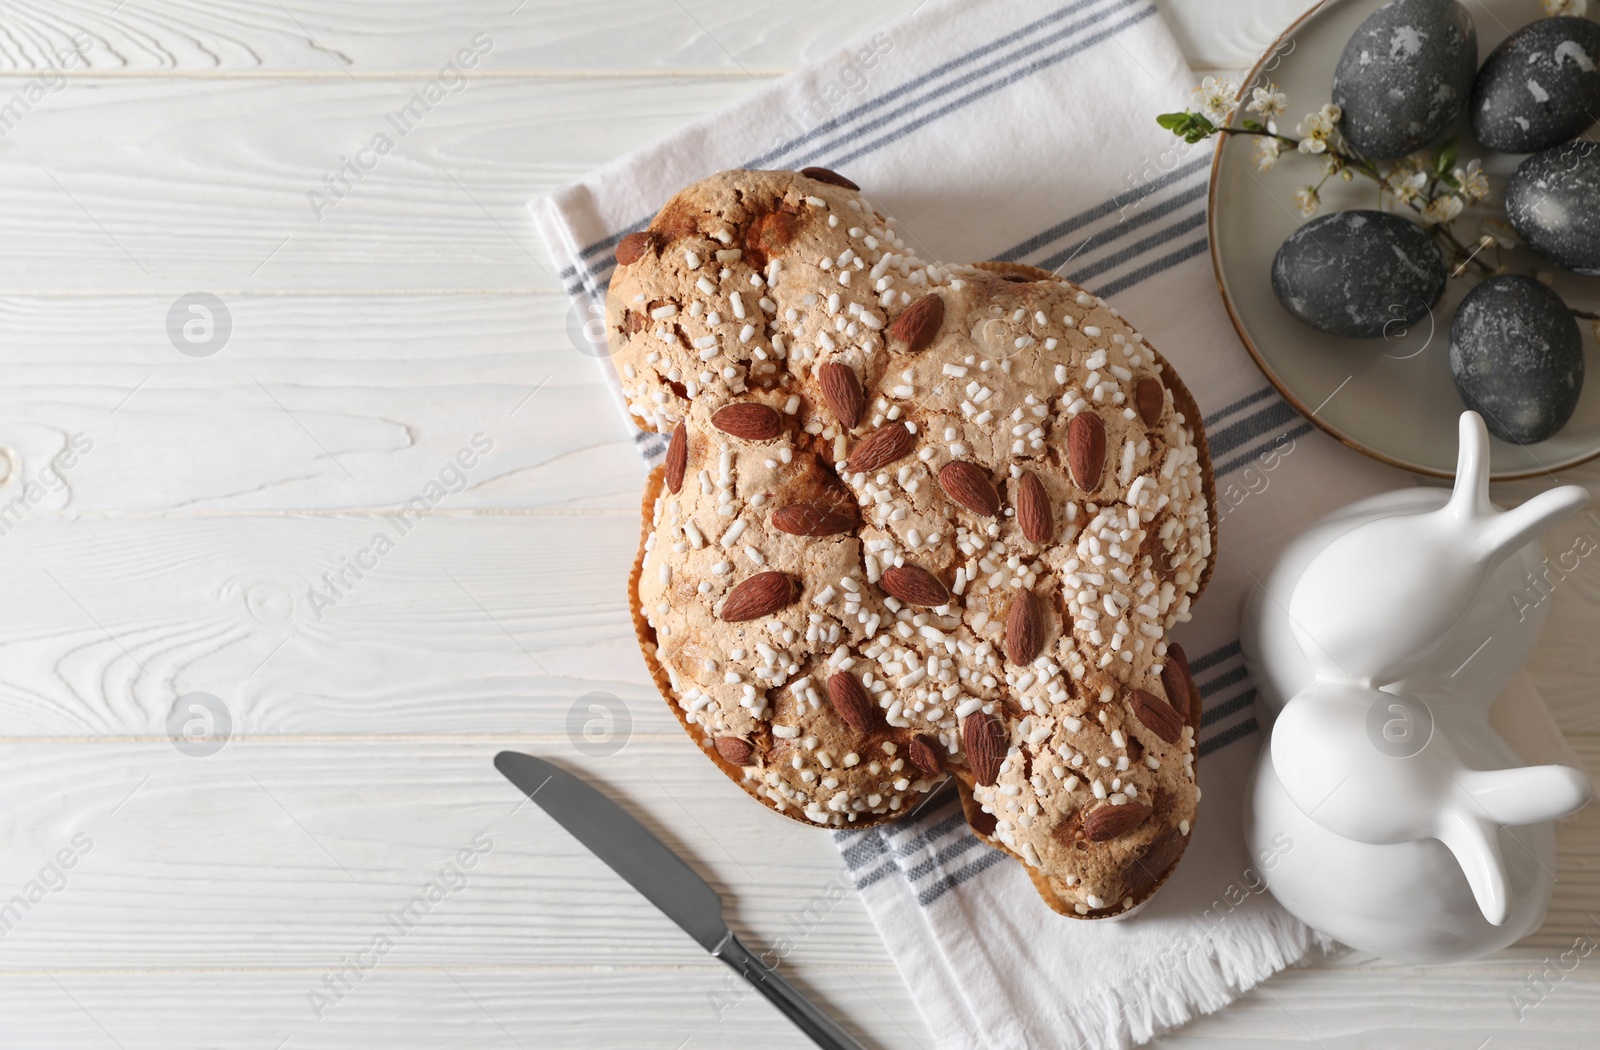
x=1025, y=130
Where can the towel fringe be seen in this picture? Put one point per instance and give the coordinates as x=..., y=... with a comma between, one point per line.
x=1227, y=962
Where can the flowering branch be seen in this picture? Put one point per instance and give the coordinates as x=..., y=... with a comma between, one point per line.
x=1430, y=185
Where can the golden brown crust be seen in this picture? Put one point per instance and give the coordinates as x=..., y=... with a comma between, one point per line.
x=658, y=674
x=1180, y=397
x=905, y=505
x=1140, y=879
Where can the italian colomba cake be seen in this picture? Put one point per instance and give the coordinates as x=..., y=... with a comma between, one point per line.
x=916, y=522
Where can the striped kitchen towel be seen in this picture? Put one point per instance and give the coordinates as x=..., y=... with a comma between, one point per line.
x=1025, y=130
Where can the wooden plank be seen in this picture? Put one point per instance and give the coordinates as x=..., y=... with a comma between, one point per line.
x=270, y=855
x=478, y=625
x=400, y=1008
x=1566, y=664
x=1361, y=1003
x=208, y=184
x=314, y=403
x=336, y=38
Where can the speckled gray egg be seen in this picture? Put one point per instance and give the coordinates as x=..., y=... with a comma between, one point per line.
x=1404, y=75
x=1517, y=358
x=1540, y=88
x=1358, y=273
x=1553, y=201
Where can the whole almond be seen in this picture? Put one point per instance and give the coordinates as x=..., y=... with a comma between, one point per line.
x=850, y=699
x=734, y=750
x=920, y=323
x=841, y=389
x=880, y=448
x=1158, y=716
x=1024, y=629
x=750, y=420
x=969, y=485
x=985, y=741
x=924, y=755
x=1160, y=557
x=677, y=457
x=1106, y=821
x=761, y=595
x=1150, y=398
x=634, y=247
x=1033, y=509
x=802, y=519
x=1176, y=680
x=832, y=178
x=1086, y=449
x=915, y=586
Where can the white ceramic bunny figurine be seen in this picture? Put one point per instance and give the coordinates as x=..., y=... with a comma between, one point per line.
x=1398, y=820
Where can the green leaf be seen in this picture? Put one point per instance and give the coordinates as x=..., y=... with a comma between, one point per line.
x=1445, y=159
x=1192, y=127
x=1253, y=125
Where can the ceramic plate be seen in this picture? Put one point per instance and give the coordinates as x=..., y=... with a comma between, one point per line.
x=1391, y=398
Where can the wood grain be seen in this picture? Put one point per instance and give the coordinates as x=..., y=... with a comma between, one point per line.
x=272, y=854
x=317, y=403
x=337, y=38
x=206, y=184
x=400, y=1007
x=1377, y=1006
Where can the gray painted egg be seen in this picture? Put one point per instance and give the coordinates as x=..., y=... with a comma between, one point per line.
x=1553, y=200
x=1404, y=75
x=1358, y=273
x=1540, y=88
x=1517, y=358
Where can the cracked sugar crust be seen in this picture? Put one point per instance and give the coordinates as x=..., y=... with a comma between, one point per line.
x=743, y=289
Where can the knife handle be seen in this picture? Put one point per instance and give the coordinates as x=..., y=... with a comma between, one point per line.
x=805, y=1014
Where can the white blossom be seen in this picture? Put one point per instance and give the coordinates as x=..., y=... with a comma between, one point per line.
x=1442, y=209
x=1267, y=150
x=1558, y=8
x=1408, y=187
x=1473, y=182
x=1316, y=128
x=1214, y=99
x=1306, y=199
x=1268, y=101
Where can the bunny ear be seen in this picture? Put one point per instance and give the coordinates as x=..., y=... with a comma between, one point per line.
x=1504, y=533
x=1470, y=498
x=1470, y=827
x=1475, y=843
x=1526, y=794
x=1495, y=535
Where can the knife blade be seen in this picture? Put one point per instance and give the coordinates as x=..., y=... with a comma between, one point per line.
x=649, y=866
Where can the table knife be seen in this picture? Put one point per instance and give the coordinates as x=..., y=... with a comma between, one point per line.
x=631, y=851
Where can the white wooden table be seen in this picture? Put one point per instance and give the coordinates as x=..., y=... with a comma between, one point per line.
x=242, y=899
